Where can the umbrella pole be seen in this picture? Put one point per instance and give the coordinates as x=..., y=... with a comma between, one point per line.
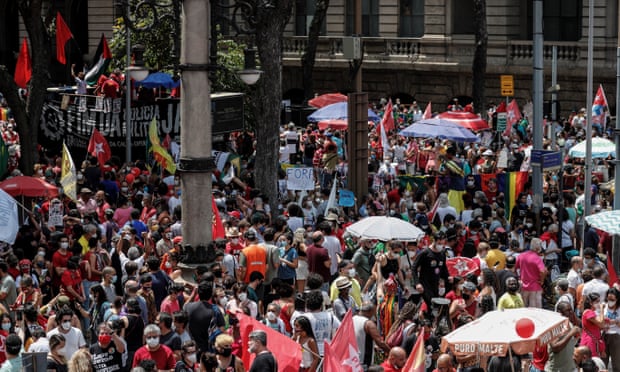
x=512, y=364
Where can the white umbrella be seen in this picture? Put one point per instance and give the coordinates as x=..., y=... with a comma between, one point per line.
x=385, y=228
x=495, y=332
x=601, y=148
x=607, y=221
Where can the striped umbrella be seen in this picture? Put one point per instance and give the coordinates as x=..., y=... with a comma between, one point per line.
x=601, y=148
x=607, y=221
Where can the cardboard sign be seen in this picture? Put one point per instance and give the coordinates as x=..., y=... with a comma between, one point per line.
x=300, y=178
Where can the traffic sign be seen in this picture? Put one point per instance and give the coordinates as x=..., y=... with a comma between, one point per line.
x=507, y=85
x=536, y=157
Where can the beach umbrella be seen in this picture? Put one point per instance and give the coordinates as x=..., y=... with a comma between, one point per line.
x=601, y=148
x=439, y=128
x=337, y=111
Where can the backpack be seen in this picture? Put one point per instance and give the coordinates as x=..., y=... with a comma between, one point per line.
x=214, y=330
x=396, y=338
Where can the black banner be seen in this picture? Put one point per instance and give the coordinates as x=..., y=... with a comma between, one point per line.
x=74, y=122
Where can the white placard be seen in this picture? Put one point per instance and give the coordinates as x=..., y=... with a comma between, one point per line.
x=301, y=178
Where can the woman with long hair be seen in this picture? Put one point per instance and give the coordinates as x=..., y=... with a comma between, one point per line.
x=304, y=336
x=401, y=325
x=301, y=272
x=56, y=362
x=81, y=361
x=488, y=287
x=593, y=322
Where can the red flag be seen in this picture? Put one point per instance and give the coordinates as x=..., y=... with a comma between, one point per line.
x=23, y=69
x=99, y=148
x=388, y=117
x=501, y=107
x=599, y=107
x=417, y=358
x=286, y=351
x=428, y=113
x=343, y=353
x=167, y=142
x=433, y=211
x=218, y=231
x=513, y=115
x=611, y=270
x=63, y=34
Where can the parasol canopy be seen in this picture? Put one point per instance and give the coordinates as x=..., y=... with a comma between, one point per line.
x=608, y=221
x=497, y=331
x=465, y=119
x=327, y=99
x=28, y=186
x=601, y=148
x=159, y=80
x=385, y=229
x=439, y=128
x=337, y=111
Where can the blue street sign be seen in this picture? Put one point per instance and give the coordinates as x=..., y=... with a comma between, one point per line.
x=551, y=161
x=536, y=156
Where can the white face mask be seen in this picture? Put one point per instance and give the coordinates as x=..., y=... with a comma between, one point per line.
x=168, y=265
x=352, y=273
x=243, y=296
x=439, y=247
x=609, y=303
x=234, y=240
x=191, y=358
x=64, y=245
x=271, y=316
x=223, y=301
x=66, y=326
x=441, y=291
x=152, y=341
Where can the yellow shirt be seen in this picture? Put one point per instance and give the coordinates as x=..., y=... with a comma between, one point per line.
x=355, y=292
x=508, y=301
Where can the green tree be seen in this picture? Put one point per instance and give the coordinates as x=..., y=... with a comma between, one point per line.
x=27, y=111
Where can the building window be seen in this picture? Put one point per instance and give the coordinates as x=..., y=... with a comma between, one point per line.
x=411, y=18
x=463, y=17
x=562, y=20
x=370, y=17
x=304, y=13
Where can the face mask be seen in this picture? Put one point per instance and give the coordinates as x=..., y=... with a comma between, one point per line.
x=91, y=298
x=105, y=339
x=587, y=261
x=114, y=278
x=41, y=264
x=261, y=229
x=352, y=273
x=441, y=291
x=6, y=326
x=124, y=189
x=99, y=202
x=439, y=247
x=64, y=245
x=168, y=265
x=152, y=341
x=471, y=183
x=191, y=358
x=243, y=296
x=480, y=281
x=168, y=235
x=609, y=303
x=223, y=301
x=218, y=274
x=282, y=244
x=66, y=326
x=225, y=352
x=466, y=296
x=271, y=316
x=529, y=225
x=80, y=177
x=235, y=241
x=513, y=288
x=143, y=204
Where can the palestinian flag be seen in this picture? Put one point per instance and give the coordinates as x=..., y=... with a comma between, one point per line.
x=102, y=59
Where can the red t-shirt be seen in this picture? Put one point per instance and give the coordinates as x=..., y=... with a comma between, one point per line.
x=73, y=279
x=163, y=357
x=59, y=260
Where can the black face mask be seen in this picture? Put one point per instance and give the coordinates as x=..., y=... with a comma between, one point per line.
x=513, y=288
x=466, y=296
x=225, y=352
x=217, y=273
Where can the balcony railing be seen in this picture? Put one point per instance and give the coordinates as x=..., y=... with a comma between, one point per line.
x=438, y=50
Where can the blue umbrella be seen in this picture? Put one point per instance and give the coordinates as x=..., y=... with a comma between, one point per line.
x=439, y=128
x=337, y=111
x=159, y=79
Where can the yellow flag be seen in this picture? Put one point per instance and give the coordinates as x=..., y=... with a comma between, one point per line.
x=68, y=177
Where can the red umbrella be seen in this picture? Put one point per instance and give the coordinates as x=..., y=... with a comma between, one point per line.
x=466, y=119
x=461, y=266
x=28, y=186
x=335, y=124
x=327, y=99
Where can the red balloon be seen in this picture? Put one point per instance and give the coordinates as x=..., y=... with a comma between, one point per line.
x=136, y=171
x=525, y=327
x=129, y=178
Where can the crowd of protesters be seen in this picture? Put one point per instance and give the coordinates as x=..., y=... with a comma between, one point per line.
x=106, y=289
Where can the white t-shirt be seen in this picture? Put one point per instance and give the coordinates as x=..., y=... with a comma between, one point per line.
x=574, y=279
x=324, y=325
x=74, y=340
